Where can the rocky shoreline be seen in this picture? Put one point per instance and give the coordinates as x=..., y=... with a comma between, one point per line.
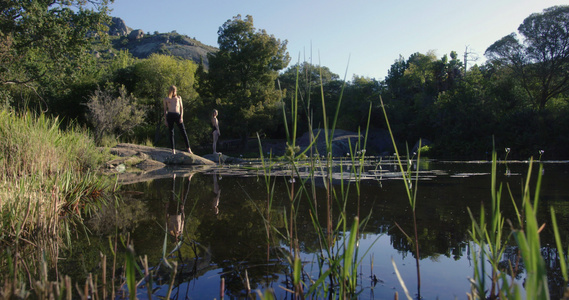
x=137, y=163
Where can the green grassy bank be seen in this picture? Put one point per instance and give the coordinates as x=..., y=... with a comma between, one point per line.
x=48, y=181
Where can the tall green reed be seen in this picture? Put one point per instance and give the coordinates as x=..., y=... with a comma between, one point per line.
x=411, y=191
x=491, y=240
x=338, y=252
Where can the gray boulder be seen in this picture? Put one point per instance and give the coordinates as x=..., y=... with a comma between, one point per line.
x=118, y=27
x=136, y=35
x=163, y=156
x=378, y=142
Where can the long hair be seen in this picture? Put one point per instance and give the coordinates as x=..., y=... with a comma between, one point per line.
x=213, y=113
x=172, y=93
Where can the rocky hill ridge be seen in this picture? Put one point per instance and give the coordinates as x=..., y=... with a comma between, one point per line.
x=142, y=45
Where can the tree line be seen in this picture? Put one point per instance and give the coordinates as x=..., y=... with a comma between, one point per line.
x=56, y=58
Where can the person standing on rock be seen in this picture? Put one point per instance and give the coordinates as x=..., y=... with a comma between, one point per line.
x=174, y=113
x=215, y=127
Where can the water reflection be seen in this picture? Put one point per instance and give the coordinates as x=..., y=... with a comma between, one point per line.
x=216, y=193
x=228, y=239
x=175, y=214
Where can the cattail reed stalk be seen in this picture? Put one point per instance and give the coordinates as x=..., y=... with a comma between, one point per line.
x=68, y=287
x=85, y=294
x=371, y=258
x=148, y=277
x=247, y=285
x=104, y=271
x=93, y=290
x=417, y=255
x=291, y=213
x=114, y=269
x=407, y=177
x=222, y=288
x=171, y=285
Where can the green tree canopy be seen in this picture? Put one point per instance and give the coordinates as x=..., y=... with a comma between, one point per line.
x=242, y=75
x=308, y=91
x=310, y=77
x=39, y=37
x=541, y=60
x=152, y=78
x=157, y=73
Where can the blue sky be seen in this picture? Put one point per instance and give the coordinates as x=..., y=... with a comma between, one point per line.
x=360, y=37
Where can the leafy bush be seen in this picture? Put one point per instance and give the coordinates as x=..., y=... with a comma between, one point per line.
x=113, y=115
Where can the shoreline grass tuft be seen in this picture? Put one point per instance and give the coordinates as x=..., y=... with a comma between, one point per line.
x=48, y=181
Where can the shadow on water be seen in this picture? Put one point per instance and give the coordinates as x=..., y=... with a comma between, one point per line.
x=220, y=237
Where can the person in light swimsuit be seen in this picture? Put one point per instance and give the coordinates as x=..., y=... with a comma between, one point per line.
x=215, y=130
x=174, y=113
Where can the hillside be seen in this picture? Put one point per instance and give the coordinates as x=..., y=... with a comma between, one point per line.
x=142, y=45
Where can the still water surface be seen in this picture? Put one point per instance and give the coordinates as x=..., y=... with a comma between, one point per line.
x=212, y=224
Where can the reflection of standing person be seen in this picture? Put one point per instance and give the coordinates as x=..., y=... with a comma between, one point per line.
x=217, y=194
x=175, y=215
x=174, y=113
x=215, y=127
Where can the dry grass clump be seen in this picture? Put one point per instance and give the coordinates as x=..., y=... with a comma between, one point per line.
x=36, y=146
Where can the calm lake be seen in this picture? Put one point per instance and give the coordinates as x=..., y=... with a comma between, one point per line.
x=212, y=224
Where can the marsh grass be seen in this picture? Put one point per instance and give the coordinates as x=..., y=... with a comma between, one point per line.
x=491, y=236
x=46, y=175
x=47, y=181
x=338, y=235
x=411, y=190
x=339, y=255
x=490, y=233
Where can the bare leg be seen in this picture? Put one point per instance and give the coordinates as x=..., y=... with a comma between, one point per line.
x=214, y=143
x=215, y=137
x=185, y=136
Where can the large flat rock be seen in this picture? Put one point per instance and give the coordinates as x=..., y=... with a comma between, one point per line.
x=137, y=163
x=163, y=155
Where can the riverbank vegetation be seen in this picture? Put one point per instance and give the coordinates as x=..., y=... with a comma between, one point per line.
x=516, y=98
x=48, y=183
x=48, y=160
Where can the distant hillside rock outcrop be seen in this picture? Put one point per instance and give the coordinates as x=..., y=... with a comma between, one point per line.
x=118, y=27
x=136, y=35
x=142, y=45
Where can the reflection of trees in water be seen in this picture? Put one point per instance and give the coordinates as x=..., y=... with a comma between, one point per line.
x=554, y=275
x=432, y=242
x=121, y=218
x=238, y=240
x=512, y=260
x=260, y=276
